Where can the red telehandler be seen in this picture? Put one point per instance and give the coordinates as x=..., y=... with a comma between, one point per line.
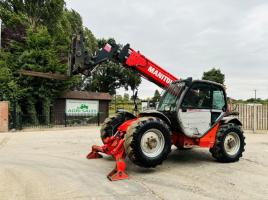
x=190, y=113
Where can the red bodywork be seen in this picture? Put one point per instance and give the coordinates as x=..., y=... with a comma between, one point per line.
x=115, y=145
x=208, y=140
x=149, y=70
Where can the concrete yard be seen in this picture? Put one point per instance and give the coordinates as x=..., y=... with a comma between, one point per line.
x=52, y=165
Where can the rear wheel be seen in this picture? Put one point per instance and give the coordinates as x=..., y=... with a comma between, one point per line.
x=148, y=141
x=110, y=125
x=230, y=143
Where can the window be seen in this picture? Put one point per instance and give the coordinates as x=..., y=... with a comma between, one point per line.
x=170, y=96
x=218, y=100
x=198, y=97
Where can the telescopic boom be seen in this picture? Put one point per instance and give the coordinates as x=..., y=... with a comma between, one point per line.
x=81, y=62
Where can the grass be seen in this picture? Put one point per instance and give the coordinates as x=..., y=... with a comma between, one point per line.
x=125, y=106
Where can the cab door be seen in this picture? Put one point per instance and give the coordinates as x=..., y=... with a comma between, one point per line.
x=195, y=111
x=219, y=104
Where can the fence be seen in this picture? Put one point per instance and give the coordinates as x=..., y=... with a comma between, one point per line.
x=253, y=116
x=20, y=121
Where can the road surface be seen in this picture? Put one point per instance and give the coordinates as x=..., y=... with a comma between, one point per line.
x=52, y=165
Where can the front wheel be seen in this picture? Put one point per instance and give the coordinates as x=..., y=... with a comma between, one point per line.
x=148, y=141
x=230, y=143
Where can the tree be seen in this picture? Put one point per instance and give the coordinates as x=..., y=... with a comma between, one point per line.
x=156, y=97
x=214, y=75
x=119, y=98
x=35, y=38
x=90, y=41
x=39, y=54
x=110, y=76
x=126, y=97
x=9, y=88
x=14, y=25
x=41, y=12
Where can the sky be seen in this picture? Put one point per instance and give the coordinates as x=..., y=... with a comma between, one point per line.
x=188, y=37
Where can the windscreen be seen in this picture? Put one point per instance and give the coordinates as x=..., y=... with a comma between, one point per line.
x=170, y=96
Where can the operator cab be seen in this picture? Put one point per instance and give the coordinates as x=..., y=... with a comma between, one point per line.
x=193, y=107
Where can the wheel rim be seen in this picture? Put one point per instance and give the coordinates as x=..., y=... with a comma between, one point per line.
x=232, y=143
x=152, y=143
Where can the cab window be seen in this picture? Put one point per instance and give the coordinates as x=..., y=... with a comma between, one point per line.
x=218, y=100
x=198, y=97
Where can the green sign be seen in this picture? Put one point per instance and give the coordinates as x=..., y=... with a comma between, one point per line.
x=82, y=107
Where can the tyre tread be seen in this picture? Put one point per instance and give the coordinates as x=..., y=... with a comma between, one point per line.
x=131, y=142
x=218, y=151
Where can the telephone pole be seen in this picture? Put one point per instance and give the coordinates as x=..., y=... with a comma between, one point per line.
x=255, y=94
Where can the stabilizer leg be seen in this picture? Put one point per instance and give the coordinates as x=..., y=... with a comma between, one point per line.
x=118, y=173
x=114, y=146
x=94, y=153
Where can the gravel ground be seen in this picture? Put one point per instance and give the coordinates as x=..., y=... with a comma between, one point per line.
x=52, y=165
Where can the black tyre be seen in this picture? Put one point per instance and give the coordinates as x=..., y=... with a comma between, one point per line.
x=230, y=143
x=148, y=141
x=110, y=125
x=183, y=148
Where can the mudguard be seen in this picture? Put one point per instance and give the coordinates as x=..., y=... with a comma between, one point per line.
x=231, y=119
x=155, y=113
x=126, y=113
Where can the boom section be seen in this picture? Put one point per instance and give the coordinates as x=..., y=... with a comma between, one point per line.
x=81, y=62
x=148, y=69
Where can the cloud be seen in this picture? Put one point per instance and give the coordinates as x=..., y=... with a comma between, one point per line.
x=187, y=37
